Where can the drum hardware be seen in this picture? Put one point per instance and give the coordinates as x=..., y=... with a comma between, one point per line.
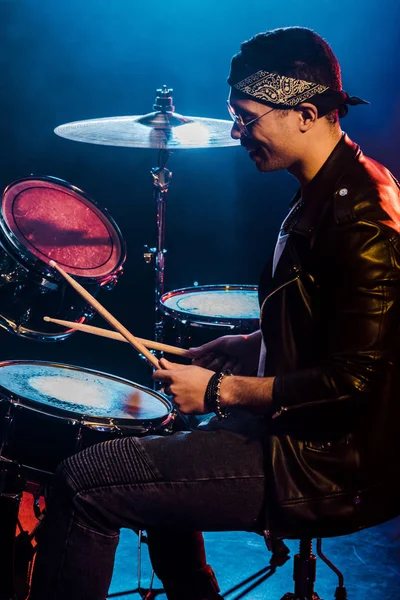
x=199, y=314
x=110, y=284
x=164, y=130
x=9, y=507
x=42, y=218
x=56, y=410
x=23, y=319
x=24, y=548
x=161, y=179
x=46, y=285
x=48, y=427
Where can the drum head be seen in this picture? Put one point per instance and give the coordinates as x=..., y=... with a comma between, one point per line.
x=221, y=303
x=54, y=220
x=80, y=394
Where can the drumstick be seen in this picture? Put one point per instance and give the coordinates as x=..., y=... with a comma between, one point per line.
x=108, y=316
x=114, y=335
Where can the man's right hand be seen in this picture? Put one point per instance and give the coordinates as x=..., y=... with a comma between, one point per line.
x=239, y=353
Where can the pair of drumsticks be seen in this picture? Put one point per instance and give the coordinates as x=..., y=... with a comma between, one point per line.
x=121, y=333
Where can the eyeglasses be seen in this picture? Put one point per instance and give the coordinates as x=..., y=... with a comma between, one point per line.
x=240, y=124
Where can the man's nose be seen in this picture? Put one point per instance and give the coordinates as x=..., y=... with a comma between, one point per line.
x=235, y=132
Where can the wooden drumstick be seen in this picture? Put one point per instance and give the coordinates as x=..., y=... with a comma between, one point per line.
x=108, y=316
x=114, y=335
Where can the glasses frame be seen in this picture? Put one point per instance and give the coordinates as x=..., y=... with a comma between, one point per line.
x=240, y=124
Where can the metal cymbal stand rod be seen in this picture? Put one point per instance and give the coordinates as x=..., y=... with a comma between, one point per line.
x=161, y=179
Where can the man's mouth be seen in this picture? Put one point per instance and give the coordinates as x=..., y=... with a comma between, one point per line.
x=252, y=151
x=256, y=152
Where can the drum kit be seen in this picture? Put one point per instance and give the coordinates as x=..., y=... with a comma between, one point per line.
x=49, y=411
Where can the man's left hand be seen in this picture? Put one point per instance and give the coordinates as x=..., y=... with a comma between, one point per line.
x=186, y=384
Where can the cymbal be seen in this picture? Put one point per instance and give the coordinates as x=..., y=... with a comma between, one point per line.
x=160, y=129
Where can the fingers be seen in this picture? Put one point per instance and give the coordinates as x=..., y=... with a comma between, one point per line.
x=218, y=363
x=204, y=361
x=208, y=348
x=168, y=365
x=162, y=375
x=225, y=363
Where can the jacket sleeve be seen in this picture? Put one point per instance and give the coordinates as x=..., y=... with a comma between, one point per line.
x=357, y=318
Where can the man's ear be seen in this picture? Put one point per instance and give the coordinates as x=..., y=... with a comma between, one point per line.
x=308, y=115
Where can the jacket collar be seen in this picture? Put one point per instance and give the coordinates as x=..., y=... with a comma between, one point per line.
x=307, y=218
x=323, y=183
x=313, y=206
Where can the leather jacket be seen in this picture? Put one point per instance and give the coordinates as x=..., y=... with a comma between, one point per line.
x=330, y=318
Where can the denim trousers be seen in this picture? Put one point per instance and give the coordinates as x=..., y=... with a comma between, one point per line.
x=173, y=486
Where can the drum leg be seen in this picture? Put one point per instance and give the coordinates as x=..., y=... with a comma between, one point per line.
x=9, y=507
x=16, y=518
x=29, y=523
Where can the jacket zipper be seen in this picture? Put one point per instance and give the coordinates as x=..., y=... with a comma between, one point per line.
x=274, y=292
x=284, y=409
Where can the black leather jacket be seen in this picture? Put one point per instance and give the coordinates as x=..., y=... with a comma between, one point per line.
x=330, y=318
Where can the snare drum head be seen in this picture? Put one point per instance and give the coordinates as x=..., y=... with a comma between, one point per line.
x=222, y=303
x=86, y=395
x=54, y=220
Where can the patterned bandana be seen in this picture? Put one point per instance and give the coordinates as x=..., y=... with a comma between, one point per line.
x=278, y=89
x=287, y=92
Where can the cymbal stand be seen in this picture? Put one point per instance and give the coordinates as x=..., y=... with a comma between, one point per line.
x=162, y=121
x=161, y=179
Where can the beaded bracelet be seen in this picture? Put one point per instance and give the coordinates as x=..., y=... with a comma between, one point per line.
x=212, y=395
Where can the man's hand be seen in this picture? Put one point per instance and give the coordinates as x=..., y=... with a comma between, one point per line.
x=239, y=353
x=186, y=384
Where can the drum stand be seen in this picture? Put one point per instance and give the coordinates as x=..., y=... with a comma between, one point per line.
x=161, y=178
x=18, y=550
x=162, y=121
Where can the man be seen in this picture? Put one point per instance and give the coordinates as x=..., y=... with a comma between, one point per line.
x=309, y=445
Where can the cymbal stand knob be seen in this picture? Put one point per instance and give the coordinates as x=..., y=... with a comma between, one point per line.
x=148, y=254
x=163, y=101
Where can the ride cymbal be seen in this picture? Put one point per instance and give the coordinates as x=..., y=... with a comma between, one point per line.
x=162, y=129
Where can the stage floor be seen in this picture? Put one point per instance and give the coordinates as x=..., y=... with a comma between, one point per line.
x=369, y=560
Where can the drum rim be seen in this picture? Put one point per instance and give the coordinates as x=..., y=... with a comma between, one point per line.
x=80, y=417
x=27, y=257
x=202, y=319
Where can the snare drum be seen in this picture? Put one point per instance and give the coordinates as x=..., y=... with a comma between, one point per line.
x=196, y=315
x=50, y=411
x=44, y=219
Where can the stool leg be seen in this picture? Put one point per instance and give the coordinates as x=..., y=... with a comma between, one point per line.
x=304, y=574
x=340, y=593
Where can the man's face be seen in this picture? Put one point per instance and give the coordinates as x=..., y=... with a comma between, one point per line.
x=273, y=141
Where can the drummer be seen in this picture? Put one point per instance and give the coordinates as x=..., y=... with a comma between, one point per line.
x=311, y=442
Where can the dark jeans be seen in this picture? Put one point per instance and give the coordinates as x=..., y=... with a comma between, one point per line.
x=172, y=486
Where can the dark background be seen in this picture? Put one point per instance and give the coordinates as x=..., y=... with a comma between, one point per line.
x=65, y=61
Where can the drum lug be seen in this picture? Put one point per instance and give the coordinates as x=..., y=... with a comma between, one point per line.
x=46, y=285
x=89, y=312
x=15, y=276
x=23, y=319
x=7, y=421
x=111, y=282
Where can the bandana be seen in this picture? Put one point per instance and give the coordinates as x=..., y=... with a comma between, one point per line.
x=287, y=92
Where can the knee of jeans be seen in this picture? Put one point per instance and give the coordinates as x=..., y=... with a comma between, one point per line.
x=66, y=478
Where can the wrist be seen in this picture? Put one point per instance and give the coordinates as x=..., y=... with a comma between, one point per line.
x=250, y=393
x=227, y=395
x=212, y=398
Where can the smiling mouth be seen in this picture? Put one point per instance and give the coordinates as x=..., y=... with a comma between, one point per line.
x=253, y=153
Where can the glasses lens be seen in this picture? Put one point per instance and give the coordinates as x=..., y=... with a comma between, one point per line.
x=232, y=113
x=237, y=119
